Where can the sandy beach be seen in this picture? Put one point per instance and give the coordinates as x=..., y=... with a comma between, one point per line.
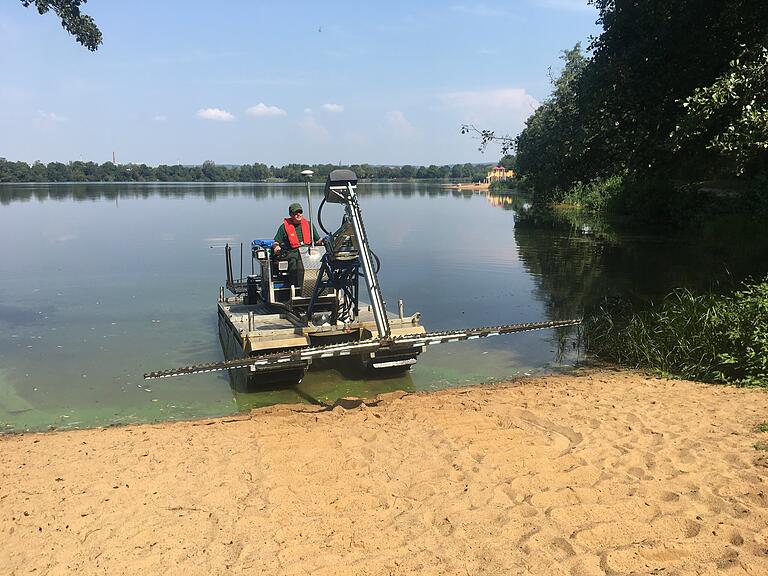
x=599, y=472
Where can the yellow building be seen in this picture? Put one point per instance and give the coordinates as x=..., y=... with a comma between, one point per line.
x=498, y=174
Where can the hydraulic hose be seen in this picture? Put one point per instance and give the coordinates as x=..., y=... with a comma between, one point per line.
x=319, y=218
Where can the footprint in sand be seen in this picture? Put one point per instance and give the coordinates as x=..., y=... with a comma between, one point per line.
x=692, y=529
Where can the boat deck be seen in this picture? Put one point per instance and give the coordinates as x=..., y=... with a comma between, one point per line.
x=271, y=330
x=264, y=319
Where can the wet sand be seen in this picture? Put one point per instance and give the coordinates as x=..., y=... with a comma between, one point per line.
x=596, y=473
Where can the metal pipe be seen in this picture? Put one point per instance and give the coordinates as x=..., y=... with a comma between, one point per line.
x=364, y=255
x=307, y=176
x=250, y=321
x=401, y=308
x=228, y=252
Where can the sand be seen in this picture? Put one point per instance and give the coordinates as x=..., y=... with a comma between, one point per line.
x=595, y=473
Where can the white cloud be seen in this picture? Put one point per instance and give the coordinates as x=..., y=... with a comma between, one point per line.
x=161, y=118
x=508, y=99
x=398, y=123
x=262, y=109
x=307, y=110
x=333, y=107
x=215, y=114
x=504, y=109
x=312, y=128
x=47, y=118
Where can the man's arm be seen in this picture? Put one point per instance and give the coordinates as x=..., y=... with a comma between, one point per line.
x=280, y=238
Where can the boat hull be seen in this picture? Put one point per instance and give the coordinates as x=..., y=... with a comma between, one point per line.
x=247, y=330
x=247, y=380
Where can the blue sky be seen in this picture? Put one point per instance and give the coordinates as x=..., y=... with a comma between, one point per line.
x=279, y=82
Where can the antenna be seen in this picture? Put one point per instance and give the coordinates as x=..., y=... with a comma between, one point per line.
x=307, y=177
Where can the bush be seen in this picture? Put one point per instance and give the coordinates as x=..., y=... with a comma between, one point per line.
x=708, y=337
x=595, y=196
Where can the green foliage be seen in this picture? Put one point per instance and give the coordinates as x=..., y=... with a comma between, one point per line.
x=650, y=57
x=505, y=186
x=695, y=70
x=595, y=196
x=731, y=115
x=550, y=148
x=80, y=25
x=509, y=162
x=762, y=427
x=761, y=446
x=709, y=337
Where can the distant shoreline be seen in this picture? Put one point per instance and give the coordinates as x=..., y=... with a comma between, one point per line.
x=208, y=171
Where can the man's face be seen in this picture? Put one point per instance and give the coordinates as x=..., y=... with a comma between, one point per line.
x=296, y=217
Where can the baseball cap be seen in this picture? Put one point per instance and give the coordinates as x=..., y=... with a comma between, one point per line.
x=293, y=208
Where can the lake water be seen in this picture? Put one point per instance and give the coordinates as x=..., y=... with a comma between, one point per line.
x=100, y=283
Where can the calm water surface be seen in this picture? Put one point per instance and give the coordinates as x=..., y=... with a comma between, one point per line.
x=100, y=283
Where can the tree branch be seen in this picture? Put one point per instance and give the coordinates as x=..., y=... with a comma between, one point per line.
x=506, y=142
x=81, y=26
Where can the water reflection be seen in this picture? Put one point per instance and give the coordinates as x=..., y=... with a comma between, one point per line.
x=211, y=190
x=94, y=294
x=565, y=248
x=327, y=381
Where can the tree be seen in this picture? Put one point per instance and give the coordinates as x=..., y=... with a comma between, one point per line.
x=551, y=147
x=80, y=25
x=38, y=172
x=211, y=172
x=261, y=171
x=673, y=92
x=649, y=58
x=58, y=172
x=407, y=171
x=731, y=115
x=509, y=162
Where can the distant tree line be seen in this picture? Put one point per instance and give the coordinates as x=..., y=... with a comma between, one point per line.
x=209, y=171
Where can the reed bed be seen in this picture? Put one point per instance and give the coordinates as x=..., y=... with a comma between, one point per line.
x=709, y=337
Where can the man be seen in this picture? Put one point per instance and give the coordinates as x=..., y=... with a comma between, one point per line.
x=291, y=234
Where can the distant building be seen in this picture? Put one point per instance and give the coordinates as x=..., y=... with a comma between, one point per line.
x=498, y=174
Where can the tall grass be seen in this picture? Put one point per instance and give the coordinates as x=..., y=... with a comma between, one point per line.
x=707, y=337
x=595, y=196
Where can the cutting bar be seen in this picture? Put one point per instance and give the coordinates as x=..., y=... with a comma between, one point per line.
x=372, y=345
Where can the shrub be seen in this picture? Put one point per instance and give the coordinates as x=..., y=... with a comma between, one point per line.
x=595, y=196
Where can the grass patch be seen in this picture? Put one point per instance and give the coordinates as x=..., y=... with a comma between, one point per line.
x=595, y=196
x=762, y=427
x=707, y=337
x=761, y=446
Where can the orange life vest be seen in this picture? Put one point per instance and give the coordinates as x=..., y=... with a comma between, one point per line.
x=291, y=231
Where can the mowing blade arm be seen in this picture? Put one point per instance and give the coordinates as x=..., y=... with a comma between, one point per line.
x=361, y=347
